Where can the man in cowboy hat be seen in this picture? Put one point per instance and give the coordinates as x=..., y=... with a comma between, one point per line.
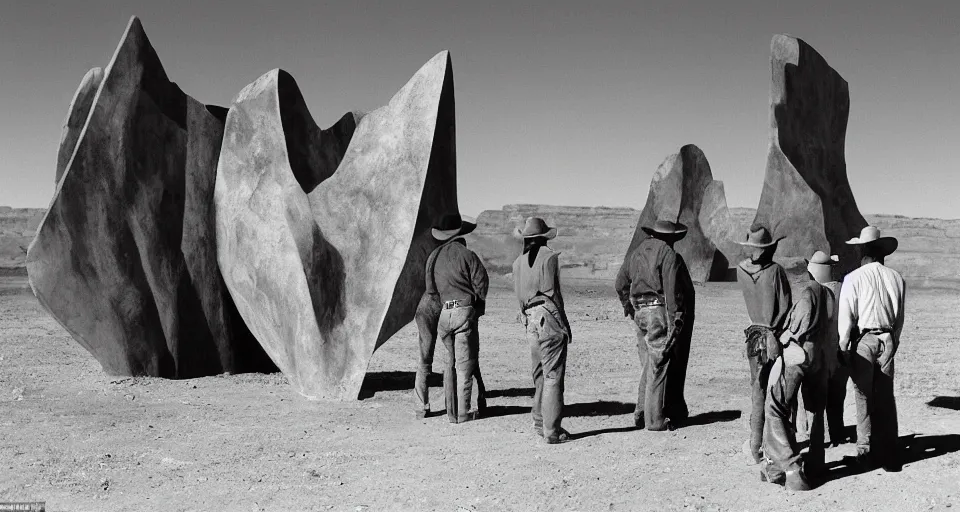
x=460, y=279
x=656, y=291
x=766, y=291
x=870, y=322
x=427, y=317
x=536, y=280
x=802, y=361
x=821, y=267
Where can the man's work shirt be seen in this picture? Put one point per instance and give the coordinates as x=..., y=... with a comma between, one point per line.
x=872, y=297
x=541, y=278
x=458, y=274
x=766, y=291
x=655, y=269
x=808, y=322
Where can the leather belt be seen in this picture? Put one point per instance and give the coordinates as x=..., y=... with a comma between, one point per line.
x=647, y=303
x=533, y=304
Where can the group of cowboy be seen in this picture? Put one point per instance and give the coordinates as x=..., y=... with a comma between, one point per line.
x=809, y=346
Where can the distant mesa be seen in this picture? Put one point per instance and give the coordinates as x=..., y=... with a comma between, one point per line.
x=125, y=257
x=323, y=234
x=677, y=193
x=806, y=195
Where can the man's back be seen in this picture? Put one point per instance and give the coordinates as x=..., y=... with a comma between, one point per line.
x=459, y=274
x=766, y=292
x=872, y=297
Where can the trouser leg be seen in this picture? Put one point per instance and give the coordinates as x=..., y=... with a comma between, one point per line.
x=466, y=363
x=836, y=393
x=780, y=442
x=885, y=442
x=653, y=322
x=642, y=385
x=862, y=369
x=537, y=368
x=553, y=356
x=814, y=392
x=427, y=328
x=450, y=380
x=757, y=398
x=676, y=404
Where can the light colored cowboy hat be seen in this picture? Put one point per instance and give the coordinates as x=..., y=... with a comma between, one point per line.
x=819, y=265
x=870, y=235
x=534, y=227
x=761, y=238
x=453, y=225
x=666, y=229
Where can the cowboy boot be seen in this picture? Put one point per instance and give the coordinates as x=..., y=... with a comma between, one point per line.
x=769, y=472
x=796, y=480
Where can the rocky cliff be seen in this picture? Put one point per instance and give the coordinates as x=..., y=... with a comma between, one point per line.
x=594, y=240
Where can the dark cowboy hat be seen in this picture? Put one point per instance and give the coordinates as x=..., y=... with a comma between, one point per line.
x=534, y=227
x=760, y=237
x=666, y=229
x=870, y=236
x=452, y=225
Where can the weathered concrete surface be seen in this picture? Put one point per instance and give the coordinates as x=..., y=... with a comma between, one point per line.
x=806, y=195
x=77, y=115
x=125, y=258
x=720, y=226
x=323, y=244
x=676, y=194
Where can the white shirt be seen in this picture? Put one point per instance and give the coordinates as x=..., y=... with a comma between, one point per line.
x=872, y=297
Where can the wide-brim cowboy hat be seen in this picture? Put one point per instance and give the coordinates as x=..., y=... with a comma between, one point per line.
x=820, y=265
x=870, y=236
x=453, y=225
x=535, y=227
x=666, y=229
x=760, y=238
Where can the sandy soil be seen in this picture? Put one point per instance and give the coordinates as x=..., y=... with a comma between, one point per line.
x=81, y=440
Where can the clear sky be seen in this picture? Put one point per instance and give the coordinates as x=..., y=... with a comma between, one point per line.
x=558, y=102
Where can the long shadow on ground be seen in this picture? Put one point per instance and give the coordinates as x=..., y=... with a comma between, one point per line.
x=913, y=448
x=708, y=418
x=946, y=402
x=375, y=382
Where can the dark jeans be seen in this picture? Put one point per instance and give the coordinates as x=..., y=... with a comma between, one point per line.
x=548, y=355
x=836, y=394
x=780, y=439
x=427, y=318
x=872, y=373
x=457, y=328
x=662, y=372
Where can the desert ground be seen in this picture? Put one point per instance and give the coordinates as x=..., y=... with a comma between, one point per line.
x=79, y=439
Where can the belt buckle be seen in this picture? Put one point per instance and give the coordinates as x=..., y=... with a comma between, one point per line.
x=450, y=304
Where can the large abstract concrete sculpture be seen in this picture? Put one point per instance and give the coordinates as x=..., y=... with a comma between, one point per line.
x=125, y=258
x=806, y=196
x=323, y=234
x=676, y=194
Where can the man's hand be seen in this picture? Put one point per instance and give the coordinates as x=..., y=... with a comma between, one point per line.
x=843, y=356
x=628, y=310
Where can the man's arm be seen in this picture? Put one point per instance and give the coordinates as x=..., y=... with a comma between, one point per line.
x=481, y=283
x=673, y=295
x=800, y=320
x=784, y=300
x=553, y=268
x=622, y=285
x=847, y=314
